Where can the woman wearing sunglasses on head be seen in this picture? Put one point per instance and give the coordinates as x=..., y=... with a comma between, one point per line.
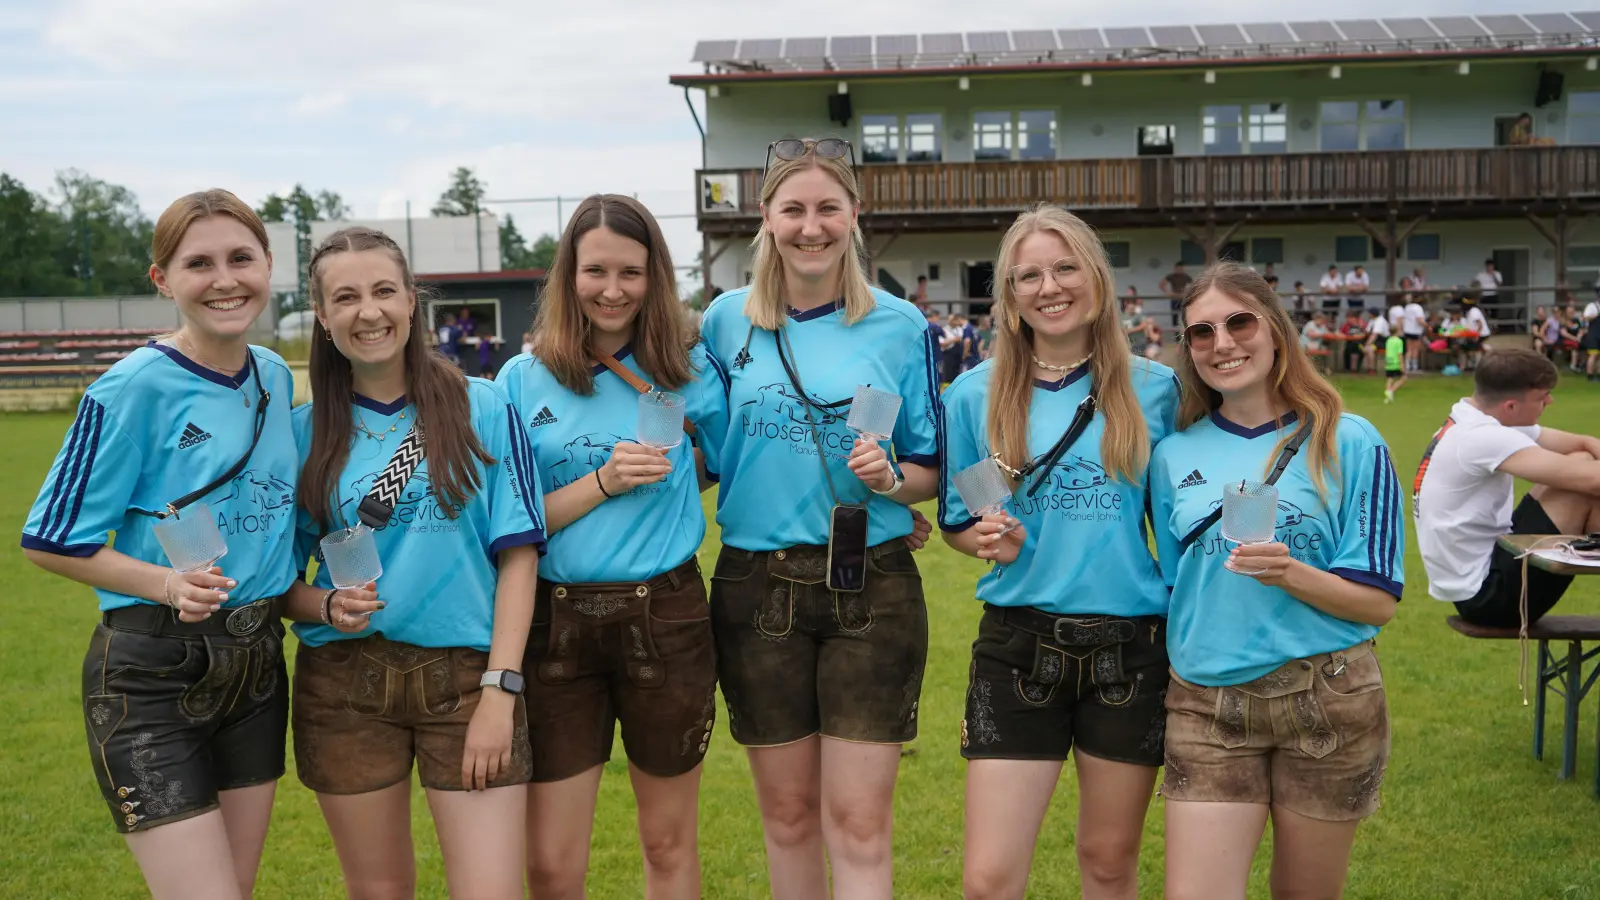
x=426, y=664
x=1276, y=706
x=816, y=602
x=1071, y=652
x=185, y=708
x=622, y=632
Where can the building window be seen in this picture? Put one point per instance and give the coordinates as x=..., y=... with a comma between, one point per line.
x=1036, y=134
x=924, y=137
x=1268, y=129
x=1266, y=251
x=1191, y=254
x=1583, y=117
x=1352, y=248
x=1157, y=140
x=1119, y=254
x=1385, y=127
x=1220, y=130
x=991, y=135
x=1341, y=125
x=880, y=139
x=1363, y=125
x=1424, y=248
x=933, y=271
x=1029, y=134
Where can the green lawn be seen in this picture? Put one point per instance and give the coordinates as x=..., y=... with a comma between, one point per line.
x=1467, y=811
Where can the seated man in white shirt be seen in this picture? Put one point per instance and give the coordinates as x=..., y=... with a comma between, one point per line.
x=1465, y=485
x=1332, y=289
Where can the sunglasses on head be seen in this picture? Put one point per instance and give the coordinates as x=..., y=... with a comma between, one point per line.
x=1241, y=326
x=796, y=148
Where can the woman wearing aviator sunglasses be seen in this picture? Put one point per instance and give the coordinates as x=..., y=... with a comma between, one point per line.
x=816, y=604
x=1276, y=705
x=1070, y=656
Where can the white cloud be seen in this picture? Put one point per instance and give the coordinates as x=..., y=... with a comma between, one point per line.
x=320, y=105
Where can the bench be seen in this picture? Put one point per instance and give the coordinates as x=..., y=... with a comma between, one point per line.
x=1560, y=675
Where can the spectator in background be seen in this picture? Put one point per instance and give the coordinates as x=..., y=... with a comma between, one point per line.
x=467, y=326
x=1521, y=134
x=1475, y=339
x=1413, y=327
x=969, y=344
x=1537, y=327
x=1302, y=303
x=486, y=350
x=1352, y=331
x=950, y=348
x=1415, y=283
x=1315, y=332
x=920, y=295
x=1572, y=338
x=1356, y=284
x=527, y=342
x=935, y=330
x=986, y=337
x=1133, y=322
x=449, y=336
x=1332, y=288
x=1378, y=332
x=1176, y=282
x=1489, y=282
x=1152, y=339
x=1590, y=342
x=1272, y=280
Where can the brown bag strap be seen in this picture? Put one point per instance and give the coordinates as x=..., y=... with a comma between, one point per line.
x=637, y=383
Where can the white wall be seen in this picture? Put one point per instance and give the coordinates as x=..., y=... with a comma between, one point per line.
x=433, y=245
x=153, y=314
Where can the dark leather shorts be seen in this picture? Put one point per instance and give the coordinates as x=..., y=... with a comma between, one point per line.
x=797, y=659
x=365, y=707
x=176, y=715
x=639, y=653
x=1037, y=689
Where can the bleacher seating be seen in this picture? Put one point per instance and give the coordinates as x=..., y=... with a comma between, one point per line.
x=64, y=357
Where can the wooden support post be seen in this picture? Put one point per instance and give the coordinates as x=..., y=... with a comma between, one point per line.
x=1560, y=237
x=1391, y=238
x=1211, y=243
x=706, y=259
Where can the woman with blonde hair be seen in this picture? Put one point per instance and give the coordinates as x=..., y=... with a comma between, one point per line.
x=1070, y=655
x=816, y=603
x=1276, y=706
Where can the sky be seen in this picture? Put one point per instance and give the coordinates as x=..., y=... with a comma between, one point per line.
x=379, y=100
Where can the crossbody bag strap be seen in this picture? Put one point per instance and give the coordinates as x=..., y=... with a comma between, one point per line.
x=1278, y=468
x=779, y=338
x=177, y=506
x=379, y=503
x=637, y=383
x=1043, y=465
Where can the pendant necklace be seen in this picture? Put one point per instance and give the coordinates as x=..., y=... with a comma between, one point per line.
x=378, y=435
x=1061, y=370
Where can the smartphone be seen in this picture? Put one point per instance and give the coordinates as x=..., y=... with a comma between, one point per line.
x=847, y=549
x=1590, y=544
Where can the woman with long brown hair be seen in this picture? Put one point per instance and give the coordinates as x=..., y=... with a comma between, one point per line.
x=611, y=330
x=426, y=663
x=1276, y=705
x=816, y=603
x=184, y=692
x=1070, y=656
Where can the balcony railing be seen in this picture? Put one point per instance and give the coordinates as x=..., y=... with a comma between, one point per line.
x=1501, y=174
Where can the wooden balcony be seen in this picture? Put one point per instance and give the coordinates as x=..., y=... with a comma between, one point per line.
x=1306, y=187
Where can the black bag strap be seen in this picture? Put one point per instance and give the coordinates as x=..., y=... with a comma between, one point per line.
x=379, y=503
x=1043, y=465
x=177, y=506
x=779, y=338
x=1289, y=450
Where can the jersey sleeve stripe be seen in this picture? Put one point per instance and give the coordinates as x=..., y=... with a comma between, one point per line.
x=1371, y=579
x=722, y=373
x=73, y=437
x=523, y=462
x=1391, y=494
x=88, y=471
x=68, y=479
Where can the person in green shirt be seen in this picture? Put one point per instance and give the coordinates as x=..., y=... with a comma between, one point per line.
x=1394, y=364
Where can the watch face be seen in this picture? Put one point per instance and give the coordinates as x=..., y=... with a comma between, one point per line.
x=512, y=682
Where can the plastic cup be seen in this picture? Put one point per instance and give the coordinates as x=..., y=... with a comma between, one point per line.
x=873, y=413
x=1249, y=513
x=191, y=539
x=984, y=488
x=660, y=419
x=351, y=556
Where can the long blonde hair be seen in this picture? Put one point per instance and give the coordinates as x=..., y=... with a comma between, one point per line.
x=1125, y=444
x=1294, y=381
x=765, y=305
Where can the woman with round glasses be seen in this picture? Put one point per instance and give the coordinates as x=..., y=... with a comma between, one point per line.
x=816, y=604
x=1070, y=655
x=1276, y=705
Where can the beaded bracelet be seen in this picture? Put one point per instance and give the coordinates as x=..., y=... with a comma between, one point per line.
x=327, y=606
x=166, y=589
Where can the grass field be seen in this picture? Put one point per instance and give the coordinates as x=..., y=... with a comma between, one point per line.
x=1467, y=812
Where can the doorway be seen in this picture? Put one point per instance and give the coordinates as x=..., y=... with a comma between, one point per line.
x=1512, y=309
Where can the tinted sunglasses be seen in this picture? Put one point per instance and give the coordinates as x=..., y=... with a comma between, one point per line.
x=1241, y=326
x=796, y=148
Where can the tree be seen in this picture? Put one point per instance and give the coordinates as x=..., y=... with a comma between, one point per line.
x=543, y=255
x=108, y=247
x=30, y=237
x=332, y=206
x=514, y=252
x=464, y=196
x=325, y=205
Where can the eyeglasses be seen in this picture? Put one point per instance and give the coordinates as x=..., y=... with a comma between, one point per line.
x=1029, y=280
x=1242, y=326
x=797, y=148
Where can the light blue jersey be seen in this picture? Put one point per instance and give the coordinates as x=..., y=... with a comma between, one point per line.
x=1086, y=549
x=772, y=491
x=439, y=572
x=1225, y=628
x=651, y=529
x=158, y=426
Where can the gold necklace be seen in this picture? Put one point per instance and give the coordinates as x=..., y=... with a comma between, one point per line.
x=378, y=435
x=189, y=351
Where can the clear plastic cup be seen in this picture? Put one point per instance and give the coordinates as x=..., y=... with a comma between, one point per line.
x=1249, y=514
x=873, y=413
x=191, y=539
x=351, y=556
x=660, y=419
x=984, y=488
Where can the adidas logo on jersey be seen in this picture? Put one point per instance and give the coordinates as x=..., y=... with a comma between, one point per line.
x=1193, y=479
x=743, y=359
x=544, y=417
x=192, y=435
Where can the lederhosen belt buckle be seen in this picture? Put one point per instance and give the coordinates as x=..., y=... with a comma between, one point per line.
x=243, y=621
x=1071, y=631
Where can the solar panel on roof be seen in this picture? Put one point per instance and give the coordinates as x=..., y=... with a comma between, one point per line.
x=805, y=48
x=760, y=49
x=1269, y=33
x=1506, y=26
x=988, y=41
x=1590, y=20
x=1411, y=29
x=1553, y=23
x=1128, y=37
x=1033, y=41
x=1220, y=35
x=714, y=51
x=1081, y=39
x=897, y=45
x=1174, y=36
x=1457, y=27
x=850, y=46
x=1315, y=32
x=1362, y=30
x=937, y=44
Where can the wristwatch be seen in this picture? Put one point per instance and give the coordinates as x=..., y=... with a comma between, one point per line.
x=899, y=482
x=504, y=679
